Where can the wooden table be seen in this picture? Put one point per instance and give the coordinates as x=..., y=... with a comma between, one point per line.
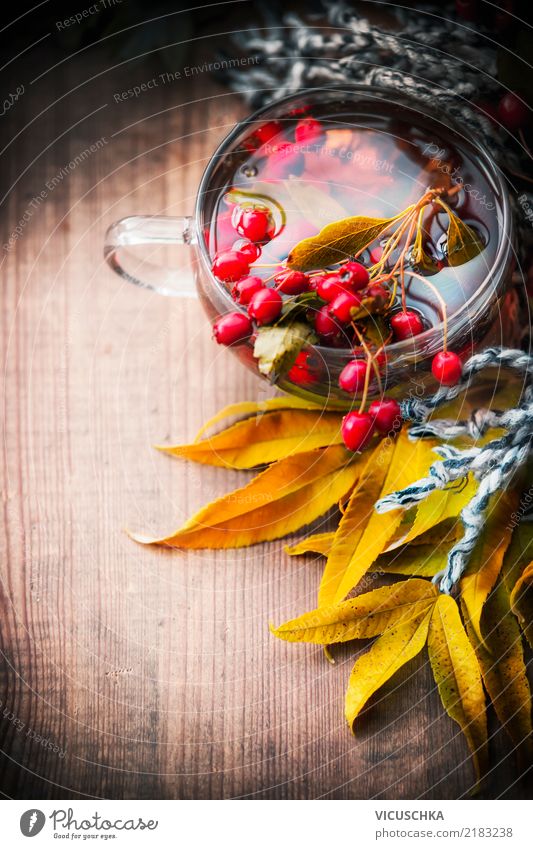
x=133, y=672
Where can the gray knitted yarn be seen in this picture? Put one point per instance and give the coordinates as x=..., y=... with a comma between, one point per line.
x=493, y=464
x=433, y=55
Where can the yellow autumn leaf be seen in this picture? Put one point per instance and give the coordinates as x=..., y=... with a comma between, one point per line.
x=363, y=534
x=424, y=561
x=421, y=549
x=487, y=558
x=286, y=496
x=501, y=659
x=351, y=527
x=337, y=241
x=247, y=408
x=519, y=553
x=364, y=616
x=440, y=505
x=522, y=602
x=458, y=677
x=257, y=441
x=386, y=656
x=443, y=532
x=314, y=544
x=463, y=242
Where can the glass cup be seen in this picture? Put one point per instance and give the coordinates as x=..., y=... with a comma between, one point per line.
x=485, y=318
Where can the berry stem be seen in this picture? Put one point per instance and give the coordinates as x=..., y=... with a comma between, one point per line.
x=442, y=305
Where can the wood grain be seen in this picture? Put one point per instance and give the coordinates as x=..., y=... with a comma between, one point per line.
x=153, y=673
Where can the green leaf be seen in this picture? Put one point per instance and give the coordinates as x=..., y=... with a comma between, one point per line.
x=337, y=241
x=276, y=348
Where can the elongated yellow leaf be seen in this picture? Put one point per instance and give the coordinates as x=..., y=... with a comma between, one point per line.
x=316, y=544
x=444, y=532
x=424, y=561
x=487, y=558
x=406, y=462
x=385, y=657
x=357, y=514
x=269, y=437
x=439, y=506
x=337, y=242
x=245, y=408
x=519, y=553
x=458, y=677
x=364, y=616
x=501, y=659
x=421, y=557
x=286, y=496
x=522, y=602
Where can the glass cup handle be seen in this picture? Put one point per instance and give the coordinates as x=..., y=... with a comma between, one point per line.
x=151, y=230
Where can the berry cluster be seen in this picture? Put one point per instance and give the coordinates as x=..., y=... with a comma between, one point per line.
x=337, y=303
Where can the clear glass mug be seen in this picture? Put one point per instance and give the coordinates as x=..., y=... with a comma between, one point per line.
x=486, y=317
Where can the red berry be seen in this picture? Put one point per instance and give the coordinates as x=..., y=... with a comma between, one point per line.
x=292, y=282
x=252, y=223
x=447, y=368
x=245, y=288
x=330, y=286
x=387, y=415
x=357, y=430
x=512, y=111
x=265, y=305
x=232, y=328
x=316, y=280
x=377, y=291
x=307, y=130
x=325, y=325
x=352, y=377
x=344, y=305
x=406, y=324
x=267, y=131
x=355, y=274
x=301, y=373
x=230, y=266
x=250, y=251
